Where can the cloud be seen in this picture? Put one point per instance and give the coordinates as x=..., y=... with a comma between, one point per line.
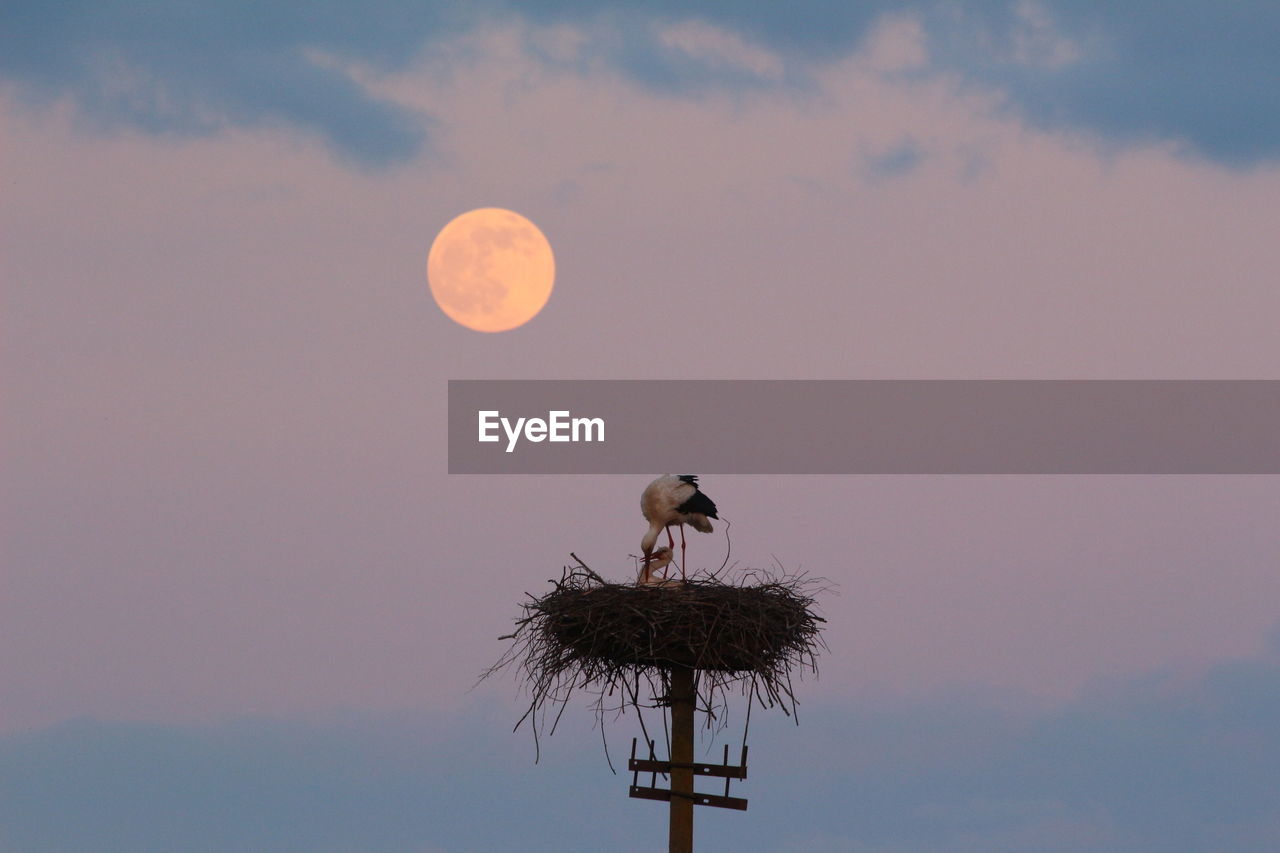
x=1191, y=73
x=193, y=68
x=688, y=48
x=1160, y=762
x=900, y=158
x=383, y=784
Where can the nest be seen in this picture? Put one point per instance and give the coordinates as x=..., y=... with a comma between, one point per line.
x=616, y=639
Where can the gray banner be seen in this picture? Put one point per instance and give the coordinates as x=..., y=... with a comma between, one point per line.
x=864, y=426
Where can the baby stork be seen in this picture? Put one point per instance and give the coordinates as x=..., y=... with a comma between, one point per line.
x=658, y=561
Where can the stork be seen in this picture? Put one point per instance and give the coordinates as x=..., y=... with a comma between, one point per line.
x=660, y=559
x=669, y=500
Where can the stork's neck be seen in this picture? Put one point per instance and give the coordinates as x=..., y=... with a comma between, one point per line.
x=650, y=538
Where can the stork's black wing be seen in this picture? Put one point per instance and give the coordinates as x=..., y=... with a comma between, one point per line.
x=697, y=502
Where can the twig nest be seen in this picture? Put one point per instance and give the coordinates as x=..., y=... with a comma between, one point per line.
x=703, y=624
x=610, y=638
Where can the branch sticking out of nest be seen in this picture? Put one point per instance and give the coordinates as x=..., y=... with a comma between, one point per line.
x=609, y=638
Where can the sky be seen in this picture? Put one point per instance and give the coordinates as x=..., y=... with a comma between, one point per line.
x=244, y=606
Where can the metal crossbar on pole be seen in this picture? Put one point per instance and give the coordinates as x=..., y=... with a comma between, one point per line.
x=681, y=698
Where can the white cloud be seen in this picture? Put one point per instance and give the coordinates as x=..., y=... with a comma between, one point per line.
x=720, y=49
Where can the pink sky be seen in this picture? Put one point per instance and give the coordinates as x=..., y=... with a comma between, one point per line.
x=225, y=383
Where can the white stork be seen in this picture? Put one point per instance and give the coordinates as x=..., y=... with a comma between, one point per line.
x=669, y=500
x=660, y=559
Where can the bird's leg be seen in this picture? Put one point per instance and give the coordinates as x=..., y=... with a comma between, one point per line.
x=671, y=546
x=682, y=574
x=672, y=540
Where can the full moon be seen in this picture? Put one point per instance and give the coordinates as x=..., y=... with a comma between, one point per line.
x=491, y=270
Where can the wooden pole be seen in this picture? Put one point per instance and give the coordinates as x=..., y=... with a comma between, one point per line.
x=682, y=698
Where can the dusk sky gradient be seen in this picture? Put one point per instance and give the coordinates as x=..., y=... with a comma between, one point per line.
x=242, y=604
